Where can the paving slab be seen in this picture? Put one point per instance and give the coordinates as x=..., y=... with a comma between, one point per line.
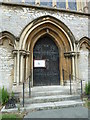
x=73, y=112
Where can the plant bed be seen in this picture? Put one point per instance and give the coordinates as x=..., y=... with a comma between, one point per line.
x=86, y=98
x=87, y=104
x=9, y=100
x=86, y=95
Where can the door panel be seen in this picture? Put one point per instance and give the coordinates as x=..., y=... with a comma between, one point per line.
x=46, y=49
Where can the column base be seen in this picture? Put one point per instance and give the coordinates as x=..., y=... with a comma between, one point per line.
x=14, y=83
x=61, y=83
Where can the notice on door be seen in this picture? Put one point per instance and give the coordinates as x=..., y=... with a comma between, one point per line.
x=39, y=63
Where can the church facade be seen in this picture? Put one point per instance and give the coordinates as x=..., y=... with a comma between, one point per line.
x=43, y=39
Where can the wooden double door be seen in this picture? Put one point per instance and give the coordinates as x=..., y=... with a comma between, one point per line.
x=46, y=52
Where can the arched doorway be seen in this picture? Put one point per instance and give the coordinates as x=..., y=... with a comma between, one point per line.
x=46, y=62
x=57, y=31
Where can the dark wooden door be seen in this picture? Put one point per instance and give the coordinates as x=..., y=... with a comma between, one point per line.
x=46, y=49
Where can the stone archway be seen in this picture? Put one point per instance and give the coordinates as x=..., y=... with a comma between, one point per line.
x=58, y=31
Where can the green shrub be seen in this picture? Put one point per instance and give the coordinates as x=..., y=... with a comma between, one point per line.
x=87, y=89
x=4, y=95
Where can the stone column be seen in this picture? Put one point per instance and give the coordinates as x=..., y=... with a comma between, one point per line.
x=67, y=7
x=79, y=5
x=22, y=65
x=71, y=55
x=61, y=66
x=18, y=67
x=27, y=64
x=76, y=57
x=21, y=69
x=75, y=61
x=79, y=9
x=15, y=67
x=31, y=66
x=54, y=3
x=73, y=65
x=83, y=4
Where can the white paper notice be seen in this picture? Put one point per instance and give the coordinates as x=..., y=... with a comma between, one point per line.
x=39, y=63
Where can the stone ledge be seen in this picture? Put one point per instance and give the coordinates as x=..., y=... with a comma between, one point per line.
x=43, y=7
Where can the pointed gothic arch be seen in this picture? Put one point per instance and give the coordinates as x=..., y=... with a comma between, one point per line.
x=63, y=38
x=84, y=57
x=86, y=41
x=10, y=37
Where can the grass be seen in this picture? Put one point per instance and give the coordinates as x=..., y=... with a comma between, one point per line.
x=12, y=116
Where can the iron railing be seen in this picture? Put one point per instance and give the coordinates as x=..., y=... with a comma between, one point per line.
x=26, y=81
x=72, y=79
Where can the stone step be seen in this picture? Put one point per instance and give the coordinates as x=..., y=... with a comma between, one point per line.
x=48, y=93
x=44, y=99
x=45, y=106
x=39, y=88
x=49, y=97
x=53, y=105
x=45, y=91
x=49, y=88
x=64, y=89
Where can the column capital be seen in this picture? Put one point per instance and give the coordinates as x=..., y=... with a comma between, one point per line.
x=70, y=54
x=22, y=52
x=15, y=51
x=27, y=53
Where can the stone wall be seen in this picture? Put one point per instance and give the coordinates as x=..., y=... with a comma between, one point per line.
x=83, y=65
x=16, y=18
x=89, y=67
x=6, y=65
